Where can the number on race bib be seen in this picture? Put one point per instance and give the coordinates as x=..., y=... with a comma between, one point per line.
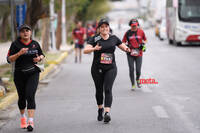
x=106, y=58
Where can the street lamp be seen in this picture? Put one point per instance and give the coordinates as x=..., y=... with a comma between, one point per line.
x=64, y=40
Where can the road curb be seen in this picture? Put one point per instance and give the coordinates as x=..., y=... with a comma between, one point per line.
x=10, y=98
x=51, y=66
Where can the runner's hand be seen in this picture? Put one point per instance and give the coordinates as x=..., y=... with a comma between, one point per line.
x=37, y=58
x=144, y=48
x=23, y=51
x=97, y=47
x=128, y=50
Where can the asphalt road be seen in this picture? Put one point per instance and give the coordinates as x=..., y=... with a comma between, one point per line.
x=67, y=103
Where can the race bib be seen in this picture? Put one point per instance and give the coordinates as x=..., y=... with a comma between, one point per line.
x=135, y=52
x=106, y=58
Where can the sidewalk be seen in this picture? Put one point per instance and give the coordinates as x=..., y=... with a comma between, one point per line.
x=4, y=51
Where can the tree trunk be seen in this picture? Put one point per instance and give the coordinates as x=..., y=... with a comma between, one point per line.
x=59, y=29
x=4, y=26
x=45, y=34
x=35, y=11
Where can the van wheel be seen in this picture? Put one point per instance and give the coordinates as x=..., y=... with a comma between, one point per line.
x=176, y=43
x=170, y=41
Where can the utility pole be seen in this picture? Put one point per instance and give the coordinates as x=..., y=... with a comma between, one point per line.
x=12, y=20
x=52, y=29
x=64, y=39
x=12, y=32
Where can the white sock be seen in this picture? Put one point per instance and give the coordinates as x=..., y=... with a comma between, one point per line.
x=23, y=115
x=30, y=119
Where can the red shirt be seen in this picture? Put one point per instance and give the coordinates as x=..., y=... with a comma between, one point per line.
x=79, y=34
x=133, y=37
x=90, y=31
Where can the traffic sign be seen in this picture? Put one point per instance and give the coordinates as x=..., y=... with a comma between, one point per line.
x=20, y=14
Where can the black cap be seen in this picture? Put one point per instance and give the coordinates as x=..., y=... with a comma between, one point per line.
x=24, y=26
x=103, y=21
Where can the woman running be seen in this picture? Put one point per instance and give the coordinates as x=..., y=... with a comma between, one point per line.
x=26, y=53
x=104, y=69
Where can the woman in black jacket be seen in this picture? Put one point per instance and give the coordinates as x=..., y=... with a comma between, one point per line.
x=26, y=53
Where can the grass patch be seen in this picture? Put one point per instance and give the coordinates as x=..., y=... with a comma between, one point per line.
x=51, y=57
x=5, y=72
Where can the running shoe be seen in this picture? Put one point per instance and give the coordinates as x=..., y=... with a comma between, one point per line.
x=100, y=114
x=139, y=84
x=107, y=117
x=133, y=88
x=23, y=123
x=30, y=126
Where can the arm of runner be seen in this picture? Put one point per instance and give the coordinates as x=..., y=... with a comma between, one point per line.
x=144, y=38
x=40, y=53
x=14, y=57
x=144, y=46
x=85, y=34
x=73, y=37
x=38, y=58
x=89, y=48
x=124, y=47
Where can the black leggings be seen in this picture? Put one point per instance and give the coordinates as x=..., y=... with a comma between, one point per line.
x=104, y=80
x=26, y=88
x=137, y=60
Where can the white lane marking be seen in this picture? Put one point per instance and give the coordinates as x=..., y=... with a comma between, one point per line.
x=178, y=110
x=160, y=112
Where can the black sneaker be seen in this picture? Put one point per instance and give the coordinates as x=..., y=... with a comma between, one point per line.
x=100, y=114
x=107, y=118
x=139, y=84
x=30, y=126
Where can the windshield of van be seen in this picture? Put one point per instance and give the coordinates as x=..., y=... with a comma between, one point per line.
x=189, y=10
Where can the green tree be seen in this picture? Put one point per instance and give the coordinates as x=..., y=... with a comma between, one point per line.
x=93, y=10
x=4, y=14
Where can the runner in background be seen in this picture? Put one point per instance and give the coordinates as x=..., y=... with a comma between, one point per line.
x=136, y=39
x=90, y=30
x=79, y=36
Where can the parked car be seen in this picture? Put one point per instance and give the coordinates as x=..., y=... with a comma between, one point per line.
x=162, y=30
x=157, y=28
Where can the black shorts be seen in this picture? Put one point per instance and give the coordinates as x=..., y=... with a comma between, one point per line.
x=81, y=46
